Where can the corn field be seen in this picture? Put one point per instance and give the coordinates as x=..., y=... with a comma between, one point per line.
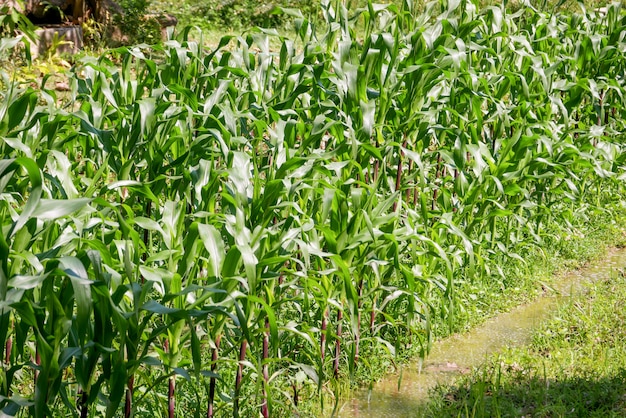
x=225, y=232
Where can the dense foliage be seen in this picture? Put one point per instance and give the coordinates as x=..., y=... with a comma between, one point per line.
x=236, y=14
x=223, y=232
x=231, y=15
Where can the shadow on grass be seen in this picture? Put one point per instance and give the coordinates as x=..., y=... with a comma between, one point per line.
x=520, y=395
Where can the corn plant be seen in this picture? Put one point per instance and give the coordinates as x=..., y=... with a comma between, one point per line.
x=230, y=231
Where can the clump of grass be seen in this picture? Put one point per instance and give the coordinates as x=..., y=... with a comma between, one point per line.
x=575, y=366
x=519, y=282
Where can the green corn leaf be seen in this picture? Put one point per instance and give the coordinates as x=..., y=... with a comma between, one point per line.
x=49, y=209
x=214, y=245
x=81, y=284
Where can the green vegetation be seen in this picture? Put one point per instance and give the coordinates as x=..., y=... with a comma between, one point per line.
x=236, y=15
x=576, y=366
x=237, y=230
x=522, y=282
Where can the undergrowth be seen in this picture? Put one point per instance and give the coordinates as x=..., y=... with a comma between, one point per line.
x=575, y=366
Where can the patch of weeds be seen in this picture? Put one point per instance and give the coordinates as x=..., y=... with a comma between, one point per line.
x=575, y=366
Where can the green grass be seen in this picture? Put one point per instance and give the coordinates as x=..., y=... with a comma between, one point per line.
x=575, y=366
x=519, y=282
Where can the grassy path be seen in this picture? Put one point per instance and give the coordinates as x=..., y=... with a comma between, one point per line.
x=575, y=366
